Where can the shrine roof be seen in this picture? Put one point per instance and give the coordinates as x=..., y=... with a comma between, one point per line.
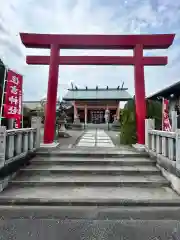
x=97, y=94
x=166, y=92
x=78, y=41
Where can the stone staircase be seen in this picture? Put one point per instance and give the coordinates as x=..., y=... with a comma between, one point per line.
x=90, y=194
x=92, y=177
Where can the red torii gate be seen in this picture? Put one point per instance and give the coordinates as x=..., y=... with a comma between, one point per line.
x=55, y=42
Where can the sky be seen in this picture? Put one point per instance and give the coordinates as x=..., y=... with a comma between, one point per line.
x=88, y=17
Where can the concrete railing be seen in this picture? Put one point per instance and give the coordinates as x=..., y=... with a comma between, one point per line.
x=166, y=144
x=17, y=146
x=165, y=147
x=18, y=143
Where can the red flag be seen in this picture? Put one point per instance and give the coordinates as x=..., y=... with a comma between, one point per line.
x=166, y=126
x=13, y=98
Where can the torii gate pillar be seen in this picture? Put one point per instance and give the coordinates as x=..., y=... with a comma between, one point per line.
x=140, y=100
x=50, y=117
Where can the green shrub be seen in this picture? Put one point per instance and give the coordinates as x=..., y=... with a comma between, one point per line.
x=128, y=119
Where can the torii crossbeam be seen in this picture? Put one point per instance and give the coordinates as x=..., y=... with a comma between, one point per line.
x=62, y=41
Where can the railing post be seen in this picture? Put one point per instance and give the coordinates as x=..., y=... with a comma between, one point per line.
x=36, y=123
x=153, y=141
x=2, y=145
x=158, y=144
x=164, y=147
x=10, y=150
x=178, y=148
x=31, y=140
x=18, y=143
x=149, y=125
x=174, y=120
x=25, y=142
x=171, y=149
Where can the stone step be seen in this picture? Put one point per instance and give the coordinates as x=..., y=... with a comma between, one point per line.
x=91, y=212
x=87, y=169
x=94, y=161
x=89, y=180
x=92, y=153
x=87, y=196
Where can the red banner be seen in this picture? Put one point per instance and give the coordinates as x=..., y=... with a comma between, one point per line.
x=13, y=98
x=166, y=126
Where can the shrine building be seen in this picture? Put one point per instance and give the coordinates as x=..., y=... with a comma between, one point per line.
x=90, y=104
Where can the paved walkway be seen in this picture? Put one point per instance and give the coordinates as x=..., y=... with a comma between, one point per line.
x=95, y=138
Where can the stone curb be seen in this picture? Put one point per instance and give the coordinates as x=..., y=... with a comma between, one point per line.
x=87, y=171
x=150, y=184
x=92, y=154
x=90, y=212
x=90, y=202
x=82, y=161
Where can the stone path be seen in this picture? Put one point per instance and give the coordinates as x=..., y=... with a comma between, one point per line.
x=95, y=138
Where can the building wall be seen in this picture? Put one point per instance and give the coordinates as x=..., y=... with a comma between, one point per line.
x=96, y=108
x=97, y=104
x=173, y=102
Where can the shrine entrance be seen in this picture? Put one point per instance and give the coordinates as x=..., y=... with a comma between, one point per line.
x=62, y=41
x=96, y=116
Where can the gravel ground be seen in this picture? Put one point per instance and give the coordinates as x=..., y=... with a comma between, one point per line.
x=67, y=142
x=46, y=229
x=115, y=137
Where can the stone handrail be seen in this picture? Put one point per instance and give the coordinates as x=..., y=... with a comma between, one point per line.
x=162, y=143
x=18, y=143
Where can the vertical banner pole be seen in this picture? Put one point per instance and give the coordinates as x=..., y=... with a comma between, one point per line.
x=162, y=114
x=22, y=111
x=3, y=92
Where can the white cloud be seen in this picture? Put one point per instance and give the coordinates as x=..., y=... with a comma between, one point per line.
x=82, y=17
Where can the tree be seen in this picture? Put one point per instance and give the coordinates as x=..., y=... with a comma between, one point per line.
x=60, y=114
x=61, y=118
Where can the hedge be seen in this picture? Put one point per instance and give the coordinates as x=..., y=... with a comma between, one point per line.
x=128, y=119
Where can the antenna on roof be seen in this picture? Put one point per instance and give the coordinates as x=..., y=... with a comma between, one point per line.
x=72, y=85
x=122, y=86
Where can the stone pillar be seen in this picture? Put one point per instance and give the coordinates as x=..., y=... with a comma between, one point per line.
x=149, y=125
x=85, y=114
x=75, y=110
x=18, y=143
x=2, y=145
x=116, y=119
x=174, y=121
x=107, y=115
x=140, y=101
x=50, y=117
x=36, y=123
x=118, y=112
x=11, y=123
x=25, y=142
x=178, y=149
x=76, y=117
